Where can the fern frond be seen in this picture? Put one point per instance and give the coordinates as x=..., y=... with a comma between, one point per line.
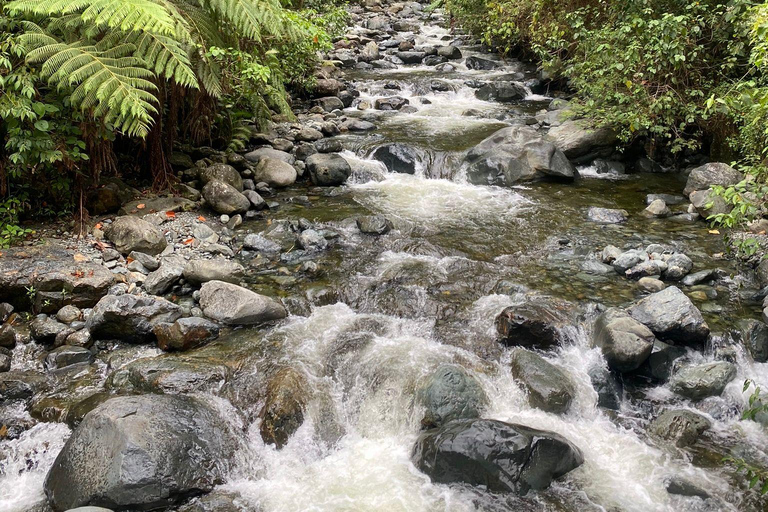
x=163, y=55
x=250, y=17
x=210, y=76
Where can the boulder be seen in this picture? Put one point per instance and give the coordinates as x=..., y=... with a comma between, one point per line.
x=123, y=455
x=171, y=374
x=392, y=103
x=515, y=154
x=130, y=318
x=577, y=138
x=715, y=173
x=275, y=173
x=645, y=269
x=257, y=155
x=678, y=266
x=708, y=203
x=256, y=242
x=398, y=157
x=283, y=411
x=671, y=315
x=148, y=262
x=66, y=356
x=679, y=426
x=108, y=196
x=606, y=215
x=328, y=169
x=608, y=388
x=410, y=57
x=162, y=279
x=224, y=198
x=156, y=204
x=658, y=208
x=753, y=334
x=222, y=172
x=629, y=259
x=327, y=87
x=703, y=380
x=373, y=224
x=370, y=52
x=329, y=103
x=44, y=329
x=533, y=324
x=502, y=91
x=308, y=134
x=21, y=385
x=235, y=305
x=185, y=333
x=7, y=336
x=449, y=52
x=219, y=269
x=134, y=234
x=474, y=62
x=659, y=365
x=548, y=387
x=6, y=358
x=494, y=455
x=625, y=342
x=450, y=393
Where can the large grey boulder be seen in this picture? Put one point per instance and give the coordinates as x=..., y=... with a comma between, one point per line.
x=130, y=233
x=715, y=173
x=257, y=155
x=516, y=154
x=130, y=317
x=450, y=393
x=398, y=157
x=162, y=279
x=502, y=92
x=235, y=305
x=671, y=315
x=754, y=335
x=625, y=342
x=222, y=172
x=185, y=333
x=275, y=173
x=283, y=411
x=548, y=387
x=532, y=324
x=328, y=169
x=219, y=269
x=679, y=426
x=169, y=374
x=224, y=198
x=494, y=455
x=708, y=203
x=142, y=453
x=703, y=380
x=577, y=138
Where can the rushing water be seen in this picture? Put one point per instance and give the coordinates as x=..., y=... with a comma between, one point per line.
x=384, y=312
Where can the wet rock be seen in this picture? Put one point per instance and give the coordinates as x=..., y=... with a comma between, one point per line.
x=392, y=103
x=577, y=138
x=133, y=432
x=398, y=157
x=410, y=57
x=20, y=385
x=474, y=62
x=548, y=387
x=450, y=393
x=370, y=52
x=671, y=316
x=708, y=203
x=134, y=234
x=308, y=134
x=679, y=426
x=130, y=318
x=374, y=224
x=669, y=199
x=497, y=456
x=327, y=87
x=625, y=342
x=650, y=284
x=224, y=198
x=606, y=215
x=530, y=325
x=257, y=202
x=659, y=365
x=501, y=91
x=753, y=334
x=261, y=244
x=81, y=338
x=629, y=259
x=162, y=279
x=275, y=173
x=5, y=311
x=169, y=374
x=610, y=253
x=149, y=262
x=330, y=103
x=257, y=155
x=283, y=411
x=329, y=146
x=6, y=357
x=44, y=329
x=645, y=269
x=234, y=305
x=683, y=487
x=609, y=388
x=678, y=266
x=223, y=173
x=185, y=333
x=449, y=52
x=703, y=380
x=312, y=240
x=218, y=501
x=66, y=356
x=357, y=125
x=156, y=204
x=699, y=277
x=219, y=269
x=7, y=336
x=716, y=173
x=68, y=314
x=516, y=154
x=328, y=169
x=658, y=208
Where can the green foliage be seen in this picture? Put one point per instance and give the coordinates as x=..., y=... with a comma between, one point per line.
x=756, y=477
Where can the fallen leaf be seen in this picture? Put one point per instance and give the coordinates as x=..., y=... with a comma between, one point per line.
x=78, y=274
x=80, y=258
x=3, y=431
x=98, y=225
x=188, y=241
x=714, y=232
x=201, y=218
x=141, y=206
x=170, y=215
x=128, y=259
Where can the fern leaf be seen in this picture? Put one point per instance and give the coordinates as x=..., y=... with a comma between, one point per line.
x=165, y=56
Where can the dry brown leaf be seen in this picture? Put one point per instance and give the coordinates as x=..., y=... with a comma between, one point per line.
x=170, y=215
x=141, y=206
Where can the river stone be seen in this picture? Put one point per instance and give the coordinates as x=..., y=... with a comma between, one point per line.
x=608, y=388
x=625, y=342
x=224, y=198
x=410, y=57
x=657, y=208
x=398, y=157
x=502, y=92
x=494, y=455
x=312, y=240
x=650, y=285
x=679, y=426
x=21, y=385
x=169, y=374
x=392, y=103
x=66, y=356
x=235, y=305
x=449, y=52
x=645, y=269
x=68, y=314
x=256, y=242
x=671, y=315
x=130, y=318
x=629, y=259
x=308, y=134
x=678, y=266
x=703, y=380
x=715, y=173
x=474, y=62
x=283, y=411
x=514, y=154
x=577, y=138
x=222, y=172
x=659, y=365
x=90, y=509
x=328, y=169
x=529, y=325
x=549, y=388
x=7, y=336
x=6, y=357
x=370, y=52
x=699, y=277
x=108, y=196
x=373, y=224
x=606, y=215
x=185, y=333
x=450, y=393
x=682, y=487
x=156, y=204
x=257, y=155
x=44, y=329
x=708, y=203
x=754, y=336
x=162, y=279
x=328, y=86
x=134, y=234
x=219, y=269
x=329, y=103
x=121, y=456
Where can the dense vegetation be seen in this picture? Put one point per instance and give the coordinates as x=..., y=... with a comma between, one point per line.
x=673, y=75
x=83, y=81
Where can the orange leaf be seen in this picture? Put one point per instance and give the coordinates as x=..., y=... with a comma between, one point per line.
x=170, y=214
x=188, y=241
x=97, y=226
x=201, y=218
x=141, y=206
x=78, y=273
x=714, y=232
x=128, y=259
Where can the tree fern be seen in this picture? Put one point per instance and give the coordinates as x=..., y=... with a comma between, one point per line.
x=250, y=17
